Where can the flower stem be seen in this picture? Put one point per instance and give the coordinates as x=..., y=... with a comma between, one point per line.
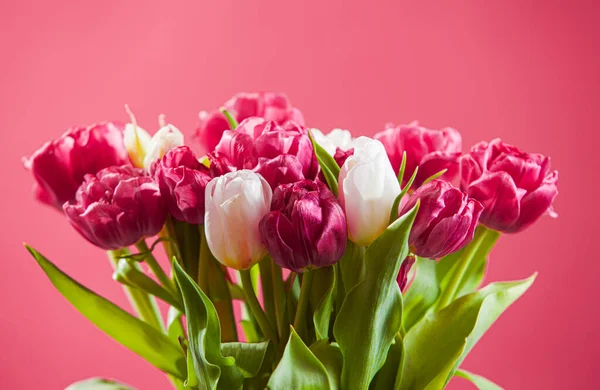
x=266, y=281
x=255, y=308
x=279, y=295
x=156, y=269
x=456, y=278
x=143, y=304
x=301, y=311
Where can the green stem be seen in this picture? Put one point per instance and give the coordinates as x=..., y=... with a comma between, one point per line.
x=143, y=304
x=279, y=295
x=255, y=308
x=203, y=266
x=266, y=281
x=170, y=245
x=156, y=269
x=456, y=281
x=302, y=310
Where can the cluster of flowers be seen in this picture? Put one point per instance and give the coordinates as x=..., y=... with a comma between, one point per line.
x=259, y=188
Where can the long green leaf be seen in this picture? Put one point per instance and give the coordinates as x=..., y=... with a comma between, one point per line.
x=391, y=370
x=323, y=287
x=98, y=384
x=299, y=368
x=436, y=345
x=212, y=369
x=330, y=355
x=329, y=167
x=371, y=314
x=422, y=293
x=129, y=331
x=480, y=382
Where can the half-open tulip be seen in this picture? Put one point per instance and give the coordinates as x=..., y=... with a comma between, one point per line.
x=59, y=166
x=368, y=187
x=166, y=138
x=117, y=207
x=445, y=222
x=515, y=187
x=430, y=150
x=182, y=180
x=306, y=227
x=235, y=204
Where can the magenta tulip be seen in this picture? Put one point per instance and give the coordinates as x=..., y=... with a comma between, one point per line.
x=117, y=207
x=445, y=222
x=182, y=181
x=59, y=166
x=268, y=105
x=515, y=187
x=405, y=268
x=283, y=169
x=306, y=227
x=430, y=150
x=341, y=156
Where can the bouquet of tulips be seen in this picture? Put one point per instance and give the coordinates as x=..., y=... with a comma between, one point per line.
x=295, y=259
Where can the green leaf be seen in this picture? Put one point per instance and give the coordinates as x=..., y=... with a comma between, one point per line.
x=98, y=384
x=329, y=167
x=129, y=331
x=391, y=370
x=248, y=357
x=438, y=343
x=484, y=240
x=213, y=370
x=371, y=314
x=352, y=266
x=422, y=293
x=480, y=382
x=322, y=297
x=299, y=368
x=127, y=273
x=330, y=355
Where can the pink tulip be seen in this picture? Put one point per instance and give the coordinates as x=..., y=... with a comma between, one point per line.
x=268, y=105
x=283, y=169
x=182, y=181
x=445, y=222
x=515, y=187
x=59, y=166
x=430, y=150
x=306, y=227
x=117, y=207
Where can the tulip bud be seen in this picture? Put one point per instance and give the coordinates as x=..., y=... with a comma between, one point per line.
x=367, y=188
x=116, y=208
x=515, y=187
x=235, y=204
x=182, y=180
x=431, y=150
x=306, y=227
x=59, y=166
x=341, y=156
x=405, y=268
x=137, y=142
x=166, y=138
x=445, y=222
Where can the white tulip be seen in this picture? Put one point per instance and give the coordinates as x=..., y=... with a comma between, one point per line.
x=235, y=203
x=137, y=142
x=368, y=187
x=336, y=138
x=166, y=138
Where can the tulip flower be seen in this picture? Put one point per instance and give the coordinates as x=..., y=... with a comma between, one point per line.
x=341, y=156
x=445, y=222
x=235, y=204
x=336, y=139
x=283, y=169
x=166, y=138
x=515, y=187
x=59, y=166
x=367, y=187
x=430, y=150
x=137, y=142
x=306, y=227
x=182, y=180
x=405, y=268
x=268, y=105
x=117, y=207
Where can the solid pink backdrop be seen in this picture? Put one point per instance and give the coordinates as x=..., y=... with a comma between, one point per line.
x=524, y=71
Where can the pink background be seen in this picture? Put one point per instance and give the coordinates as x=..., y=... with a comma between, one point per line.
x=522, y=70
